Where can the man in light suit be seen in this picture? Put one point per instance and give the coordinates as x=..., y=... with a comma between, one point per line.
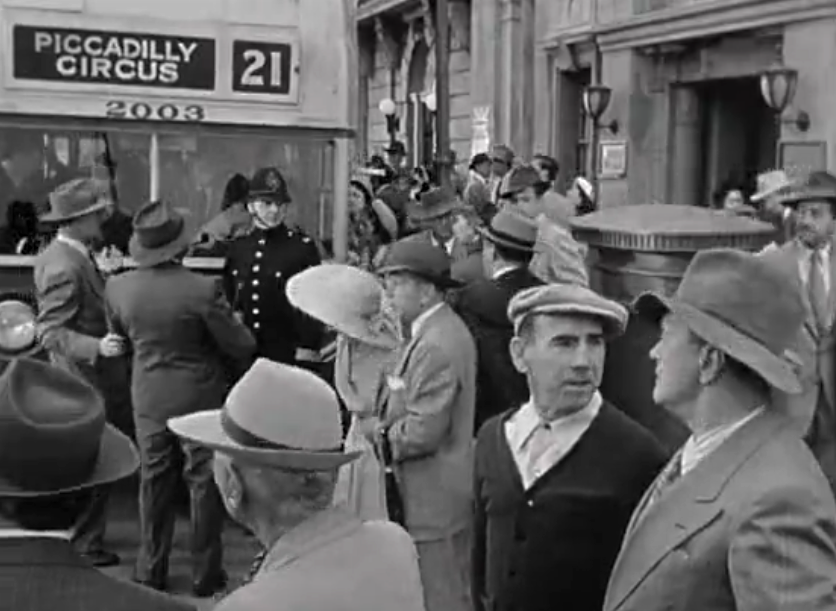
x=811, y=260
x=186, y=348
x=72, y=325
x=426, y=429
x=742, y=518
x=436, y=214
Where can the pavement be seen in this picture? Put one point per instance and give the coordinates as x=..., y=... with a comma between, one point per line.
x=123, y=538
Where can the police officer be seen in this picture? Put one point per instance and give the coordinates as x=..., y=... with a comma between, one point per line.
x=259, y=264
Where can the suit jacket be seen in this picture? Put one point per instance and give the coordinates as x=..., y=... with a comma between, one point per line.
x=46, y=574
x=335, y=561
x=429, y=405
x=751, y=528
x=71, y=311
x=483, y=306
x=186, y=344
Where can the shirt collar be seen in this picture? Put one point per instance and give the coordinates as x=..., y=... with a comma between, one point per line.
x=19, y=533
x=505, y=269
x=79, y=246
x=422, y=318
x=696, y=448
x=526, y=420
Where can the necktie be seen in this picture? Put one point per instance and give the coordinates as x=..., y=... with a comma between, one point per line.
x=817, y=290
x=669, y=476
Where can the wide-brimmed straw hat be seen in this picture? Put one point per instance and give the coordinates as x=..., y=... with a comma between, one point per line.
x=741, y=304
x=770, y=183
x=815, y=186
x=159, y=234
x=570, y=299
x=75, y=199
x=419, y=258
x=345, y=298
x=276, y=416
x=512, y=230
x=54, y=438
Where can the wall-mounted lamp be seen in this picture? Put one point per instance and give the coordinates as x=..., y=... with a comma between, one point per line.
x=389, y=110
x=596, y=99
x=778, y=89
x=430, y=102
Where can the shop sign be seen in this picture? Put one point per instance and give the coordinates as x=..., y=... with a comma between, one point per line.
x=113, y=58
x=262, y=67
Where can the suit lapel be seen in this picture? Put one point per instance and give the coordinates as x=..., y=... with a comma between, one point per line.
x=88, y=268
x=686, y=508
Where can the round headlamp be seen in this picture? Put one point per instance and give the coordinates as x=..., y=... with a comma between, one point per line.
x=17, y=326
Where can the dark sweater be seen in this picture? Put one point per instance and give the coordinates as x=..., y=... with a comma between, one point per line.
x=552, y=547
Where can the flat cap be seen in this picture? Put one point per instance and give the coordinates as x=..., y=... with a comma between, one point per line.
x=568, y=299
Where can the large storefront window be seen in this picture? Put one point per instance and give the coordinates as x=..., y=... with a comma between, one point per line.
x=188, y=166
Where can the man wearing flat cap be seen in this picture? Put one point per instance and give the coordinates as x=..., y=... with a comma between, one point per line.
x=483, y=305
x=72, y=324
x=742, y=516
x=186, y=348
x=278, y=449
x=811, y=259
x=425, y=433
x=557, y=477
x=55, y=448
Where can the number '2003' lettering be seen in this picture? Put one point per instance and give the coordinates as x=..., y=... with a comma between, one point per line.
x=140, y=111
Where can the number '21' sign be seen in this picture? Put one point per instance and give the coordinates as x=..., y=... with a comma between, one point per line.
x=262, y=67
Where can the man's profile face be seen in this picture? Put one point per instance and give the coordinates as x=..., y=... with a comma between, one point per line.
x=677, y=359
x=562, y=356
x=406, y=295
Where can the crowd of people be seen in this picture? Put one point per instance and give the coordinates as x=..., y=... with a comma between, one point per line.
x=420, y=427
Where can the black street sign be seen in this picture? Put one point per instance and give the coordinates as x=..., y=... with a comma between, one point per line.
x=262, y=67
x=113, y=58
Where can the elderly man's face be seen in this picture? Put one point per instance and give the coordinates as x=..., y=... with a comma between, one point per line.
x=814, y=223
x=677, y=358
x=563, y=358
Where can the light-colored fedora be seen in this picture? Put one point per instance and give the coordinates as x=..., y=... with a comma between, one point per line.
x=742, y=304
x=75, y=199
x=815, y=186
x=770, y=183
x=276, y=416
x=345, y=298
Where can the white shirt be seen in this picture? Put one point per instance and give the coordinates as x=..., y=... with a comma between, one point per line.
x=806, y=260
x=696, y=449
x=422, y=318
x=537, y=446
x=16, y=533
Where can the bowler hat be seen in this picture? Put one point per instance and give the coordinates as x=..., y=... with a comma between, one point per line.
x=345, y=298
x=419, y=258
x=434, y=204
x=511, y=229
x=159, y=234
x=268, y=183
x=54, y=437
x=819, y=186
x=743, y=305
x=75, y=199
x=276, y=416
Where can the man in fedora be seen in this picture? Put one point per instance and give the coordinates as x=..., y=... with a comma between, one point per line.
x=742, y=516
x=483, y=305
x=259, y=265
x=771, y=186
x=557, y=474
x=811, y=260
x=55, y=449
x=71, y=324
x=435, y=214
x=477, y=192
x=186, y=346
x=395, y=155
x=426, y=425
x=278, y=448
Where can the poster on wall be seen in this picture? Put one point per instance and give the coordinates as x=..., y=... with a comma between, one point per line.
x=480, y=140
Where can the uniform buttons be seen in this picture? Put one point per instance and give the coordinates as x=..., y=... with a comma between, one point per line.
x=262, y=242
x=255, y=282
x=256, y=325
x=278, y=274
x=256, y=268
x=235, y=272
x=255, y=312
x=255, y=297
x=258, y=254
x=530, y=503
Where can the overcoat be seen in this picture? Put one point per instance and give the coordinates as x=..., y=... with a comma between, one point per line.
x=751, y=528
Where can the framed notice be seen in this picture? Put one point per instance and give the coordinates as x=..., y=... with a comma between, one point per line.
x=806, y=156
x=613, y=159
x=74, y=55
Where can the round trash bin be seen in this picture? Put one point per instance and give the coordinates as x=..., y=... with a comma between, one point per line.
x=633, y=249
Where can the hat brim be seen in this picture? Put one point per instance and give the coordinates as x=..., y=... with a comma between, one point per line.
x=499, y=240
x=52, y=217
x=117, y=460
x=205, y=429
x=445, y=282
x=806, y=195
x=386, y=217
x=776, y=371
x=149, y=257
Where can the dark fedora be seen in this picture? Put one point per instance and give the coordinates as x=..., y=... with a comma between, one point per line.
x=268, y=183
x=511, y=229
x=53, y=434
x=434, y=204
x=159, y=234
x=815, y=186
x=77, y=198
x=419, y=258
x=396, y=148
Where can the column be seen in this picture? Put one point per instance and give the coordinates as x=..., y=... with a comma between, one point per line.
x=686, y=170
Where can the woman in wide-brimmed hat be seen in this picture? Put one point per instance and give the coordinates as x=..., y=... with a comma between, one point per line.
x=350, y=301
x=371, y=222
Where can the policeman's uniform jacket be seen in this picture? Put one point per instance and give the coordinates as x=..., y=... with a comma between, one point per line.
x=257, y=268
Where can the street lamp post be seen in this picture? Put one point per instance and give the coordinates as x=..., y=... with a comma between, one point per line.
x=596, y=99
x=431, y=102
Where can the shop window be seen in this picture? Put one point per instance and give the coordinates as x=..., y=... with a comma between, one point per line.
x=186, y=167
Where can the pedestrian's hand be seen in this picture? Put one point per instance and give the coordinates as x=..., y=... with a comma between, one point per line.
x=111, y=345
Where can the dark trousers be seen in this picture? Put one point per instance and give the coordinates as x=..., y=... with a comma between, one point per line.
x=89, y=532
x=163, y=457
x=821, y=438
